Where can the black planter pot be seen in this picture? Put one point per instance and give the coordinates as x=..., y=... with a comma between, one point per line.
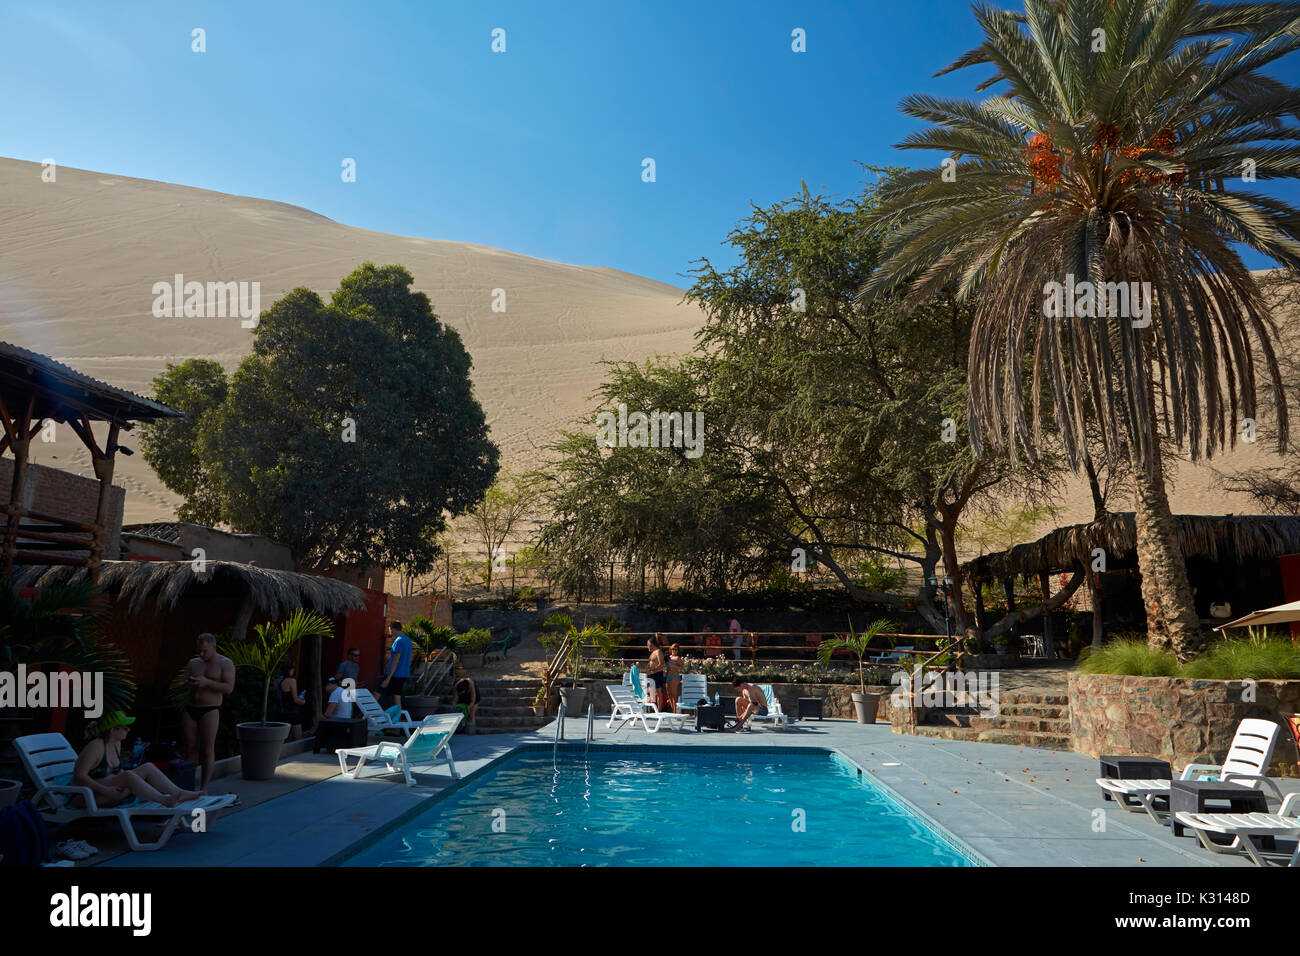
x=421, y=707
x=9, y=792
x=259, y=748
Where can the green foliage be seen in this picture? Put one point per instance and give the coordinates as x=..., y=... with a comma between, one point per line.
x=429, y=637
x=875, y=574
x=174, y=447
x=1255, y=657
x=63, y=627
x=266, y=450
x=473, y=641
x=267, y=648
x=858, y=643
x=1130, y=656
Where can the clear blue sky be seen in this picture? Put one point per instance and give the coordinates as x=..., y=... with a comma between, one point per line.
x=537, y=150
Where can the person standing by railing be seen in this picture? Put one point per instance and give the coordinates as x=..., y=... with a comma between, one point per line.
x=656, y=669
x=676, y=667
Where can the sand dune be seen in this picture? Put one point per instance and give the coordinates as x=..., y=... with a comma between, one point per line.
x=80, y=257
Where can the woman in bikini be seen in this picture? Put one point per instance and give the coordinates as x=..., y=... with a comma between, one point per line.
x=676, y=667
x=655, y=668
x=99, y=767
x=289, y=700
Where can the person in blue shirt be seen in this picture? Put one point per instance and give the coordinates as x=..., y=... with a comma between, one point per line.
x=399, y=664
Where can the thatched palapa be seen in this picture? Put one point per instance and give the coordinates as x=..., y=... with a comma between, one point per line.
x=273, y=593
x=1226, y=537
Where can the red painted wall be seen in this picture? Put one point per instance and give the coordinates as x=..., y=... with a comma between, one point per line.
x=362, y=629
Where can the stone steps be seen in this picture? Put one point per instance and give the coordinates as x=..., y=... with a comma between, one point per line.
x=1021, y=738
x=1023, y=719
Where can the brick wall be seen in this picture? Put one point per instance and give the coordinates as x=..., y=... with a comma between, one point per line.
x=65, y=495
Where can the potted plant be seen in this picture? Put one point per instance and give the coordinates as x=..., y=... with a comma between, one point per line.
x=260, y=741
x=539, y=703
x=859, y=644
x=570, y=642
x=434, y=643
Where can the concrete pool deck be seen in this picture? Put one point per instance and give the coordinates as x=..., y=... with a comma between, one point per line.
x=1015, y=806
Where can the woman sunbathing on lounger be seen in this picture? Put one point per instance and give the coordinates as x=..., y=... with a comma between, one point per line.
x=99, y=767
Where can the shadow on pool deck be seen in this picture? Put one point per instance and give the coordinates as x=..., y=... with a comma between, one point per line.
x=1016, y=806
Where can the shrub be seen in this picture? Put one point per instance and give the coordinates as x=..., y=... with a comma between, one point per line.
x=1255, y=657
x=1129, y=656
x=474, y=641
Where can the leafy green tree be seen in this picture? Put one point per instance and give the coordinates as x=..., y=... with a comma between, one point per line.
x=502, y=509
x=349, y=432
x=1121, y=151
x=832, y=429
x=173, y=447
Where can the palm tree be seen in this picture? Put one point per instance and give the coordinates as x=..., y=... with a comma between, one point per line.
x=272, y=643
x=62, y=626
x=858, y=643
x=1123, y=150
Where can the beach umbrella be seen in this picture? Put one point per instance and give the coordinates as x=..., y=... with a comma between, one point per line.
x=1281, y=614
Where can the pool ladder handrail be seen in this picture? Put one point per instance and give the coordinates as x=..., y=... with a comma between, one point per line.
x=559, y=734
x=591, y=728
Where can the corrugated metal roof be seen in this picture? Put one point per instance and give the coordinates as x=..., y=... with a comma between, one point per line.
x=27, y=368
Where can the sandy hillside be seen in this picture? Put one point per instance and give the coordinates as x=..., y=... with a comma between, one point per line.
x=80, y=257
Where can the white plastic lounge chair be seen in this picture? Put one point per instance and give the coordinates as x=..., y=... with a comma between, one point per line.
x=628, y=707
x=1242, y=826
x=431, y=738
x=891, y=657
x=377, y=719
x=775, y=715
x=695, y=687
x=1246, y=765
x=49, y=760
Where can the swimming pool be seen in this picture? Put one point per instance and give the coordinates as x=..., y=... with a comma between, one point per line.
x=664, y=807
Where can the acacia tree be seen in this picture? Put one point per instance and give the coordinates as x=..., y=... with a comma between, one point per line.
x=1110, y=158
x=348, y=433
x=830, y=427
x=510, y=499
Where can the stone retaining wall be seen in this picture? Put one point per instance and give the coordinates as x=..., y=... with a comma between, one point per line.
x=1177, y=719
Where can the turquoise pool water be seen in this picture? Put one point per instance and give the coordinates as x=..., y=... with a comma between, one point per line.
x=678, y=808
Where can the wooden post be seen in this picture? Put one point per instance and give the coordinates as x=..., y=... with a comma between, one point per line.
x=979, y=605
x=103, y=463
x=16, y=432
x=1049, y=639
x=1094, y=592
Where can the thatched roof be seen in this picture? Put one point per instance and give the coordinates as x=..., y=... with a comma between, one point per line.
x=274, y=593
x=1203, y=536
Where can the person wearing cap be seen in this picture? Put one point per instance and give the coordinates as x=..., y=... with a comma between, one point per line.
x=99, y=768
x=336, y=704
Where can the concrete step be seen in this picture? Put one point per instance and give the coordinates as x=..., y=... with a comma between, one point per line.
x=1031, y=724
x=1021, y=697
x=1060, y=711
x=1019, y=738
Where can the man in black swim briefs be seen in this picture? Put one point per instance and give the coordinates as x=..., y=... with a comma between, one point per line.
x=208, y=677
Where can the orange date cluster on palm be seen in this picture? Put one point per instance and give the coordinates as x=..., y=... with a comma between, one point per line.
x=1045, y=160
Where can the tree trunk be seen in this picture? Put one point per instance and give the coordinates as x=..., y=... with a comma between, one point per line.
x=1166, y=593
x=1094, y=592
x=1049, y=637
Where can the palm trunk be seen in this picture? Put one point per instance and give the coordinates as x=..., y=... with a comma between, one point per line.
x=1171, y=615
